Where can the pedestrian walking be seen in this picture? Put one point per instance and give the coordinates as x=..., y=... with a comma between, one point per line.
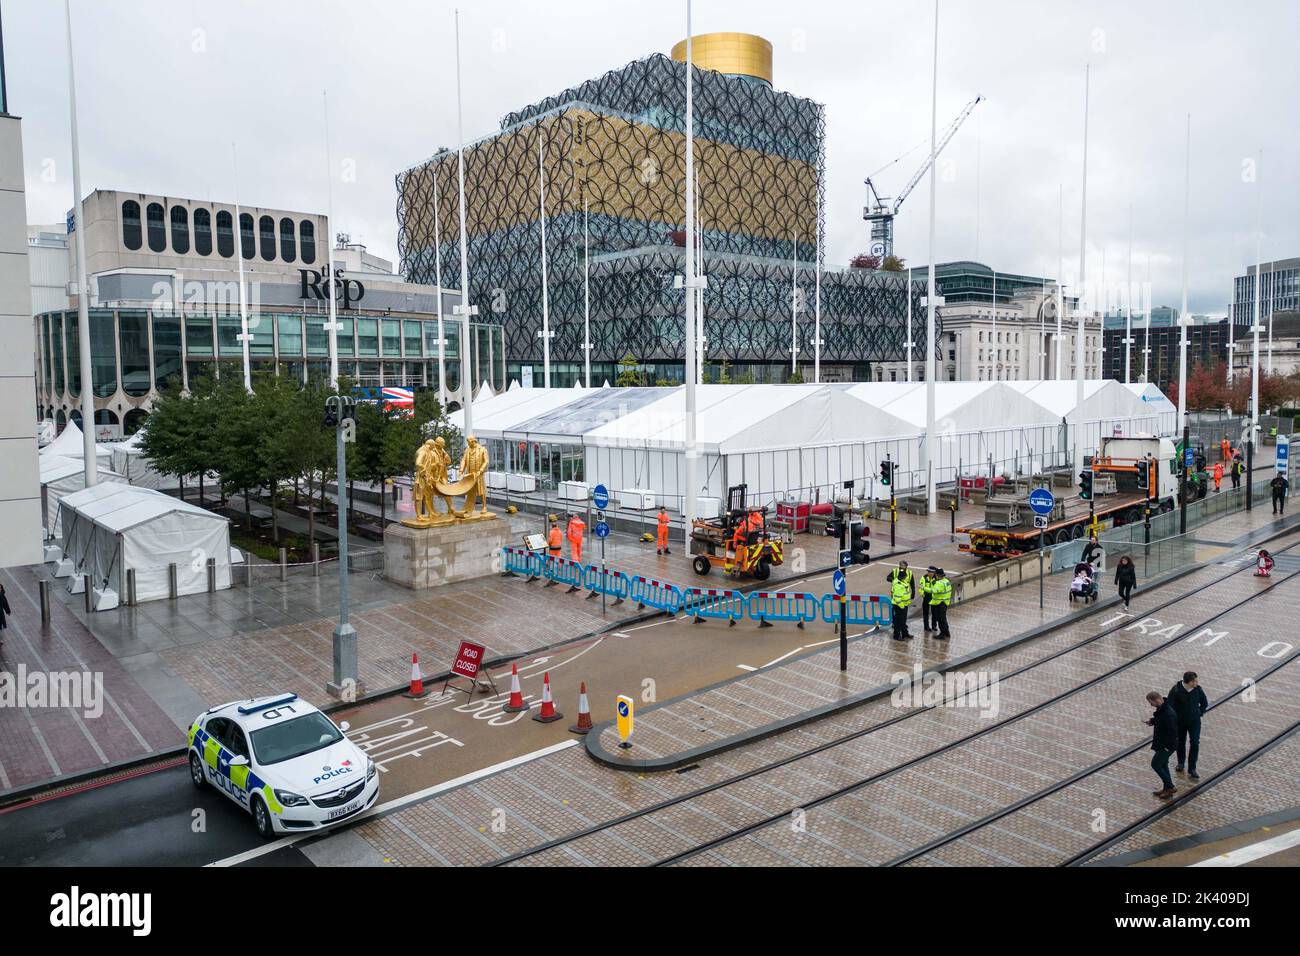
x=940, y=600
x=1125, y=578
x=4, y=612
x=902, y=590
x=662, y=542
x=927, y=582
x=1280, y=486
x=1091, y=551
x=1218, y=475
x=1164, y=741
x=577, y=528
x=1190, y=704
x=553, y=539
x=1238, y=469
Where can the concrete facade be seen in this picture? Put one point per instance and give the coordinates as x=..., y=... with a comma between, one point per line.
x=421, y=558
x=20, y=502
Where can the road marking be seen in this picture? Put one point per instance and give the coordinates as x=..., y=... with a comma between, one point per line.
x=399, y=802
x=746, y=667
x=1255, y=851
x=783, y=657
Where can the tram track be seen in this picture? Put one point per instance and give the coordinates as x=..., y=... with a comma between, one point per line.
x=845, y=739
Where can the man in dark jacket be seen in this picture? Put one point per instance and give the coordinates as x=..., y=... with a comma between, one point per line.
x=1280, y=486
x=1189, y=703
x=1164, y=740
x=1091, y=552
x=4, y=611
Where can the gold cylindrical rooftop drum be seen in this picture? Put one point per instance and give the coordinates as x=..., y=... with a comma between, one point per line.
x=734, y=54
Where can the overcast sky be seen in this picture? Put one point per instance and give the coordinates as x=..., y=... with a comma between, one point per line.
x=165, y=86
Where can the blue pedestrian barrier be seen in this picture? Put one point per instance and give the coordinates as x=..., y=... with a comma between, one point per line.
x=864, y=609
x=714, y=603
x=523, y=561
x=797, y=606
x=610, y=582
x=648, y=592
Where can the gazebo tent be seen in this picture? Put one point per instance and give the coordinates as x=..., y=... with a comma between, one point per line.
x=74, y=533
x=146, y=531
x=70, y=444
x=62, y=476
x=129, y=461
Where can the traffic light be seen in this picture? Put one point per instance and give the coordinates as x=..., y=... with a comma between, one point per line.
x=858, y=543
x=886, y=472
x=1085, y=485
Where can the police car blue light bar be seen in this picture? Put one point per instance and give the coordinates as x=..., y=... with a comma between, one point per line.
x=255, y=706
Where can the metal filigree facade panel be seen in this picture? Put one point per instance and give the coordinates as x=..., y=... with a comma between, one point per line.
x=617, y=144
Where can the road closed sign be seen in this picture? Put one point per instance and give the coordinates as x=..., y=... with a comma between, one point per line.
x=623, y=708
x=468, y=660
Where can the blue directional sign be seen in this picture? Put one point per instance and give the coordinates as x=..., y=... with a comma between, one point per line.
x=601, y=530
x=1189, y=458
x=1042, y=501
x=846, y=558
x=838, y=584
x=1283, y=453
x=600, y=497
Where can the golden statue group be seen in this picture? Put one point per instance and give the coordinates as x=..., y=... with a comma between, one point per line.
x=432, y=469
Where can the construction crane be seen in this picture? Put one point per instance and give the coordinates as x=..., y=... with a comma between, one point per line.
x=880, y=210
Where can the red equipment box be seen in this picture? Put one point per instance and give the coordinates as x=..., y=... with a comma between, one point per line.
x=796, y=513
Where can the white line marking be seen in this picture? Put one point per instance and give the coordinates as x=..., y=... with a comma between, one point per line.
x=400, y=801
x=1255, y=851
x=746, y=667
x=783, y=657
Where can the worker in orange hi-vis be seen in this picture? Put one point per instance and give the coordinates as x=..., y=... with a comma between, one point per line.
x=662, y=543
x=577, y=528
x=1225, y=448
x=553, y=539
x=1218, y=474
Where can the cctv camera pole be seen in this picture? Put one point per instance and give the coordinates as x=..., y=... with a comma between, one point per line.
x=83, y=292
x=345, y=684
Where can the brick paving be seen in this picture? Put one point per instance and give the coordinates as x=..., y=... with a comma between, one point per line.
x=566, y=793
x=883, y=821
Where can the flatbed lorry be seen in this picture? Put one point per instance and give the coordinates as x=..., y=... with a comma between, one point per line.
x=1127, y=476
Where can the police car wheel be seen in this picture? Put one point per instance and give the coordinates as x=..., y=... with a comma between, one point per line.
x=262, y=819
x=196, y=771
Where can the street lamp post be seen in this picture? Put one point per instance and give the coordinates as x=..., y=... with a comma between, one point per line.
x=931, y=367
x=339, y=412
x=1083, y=288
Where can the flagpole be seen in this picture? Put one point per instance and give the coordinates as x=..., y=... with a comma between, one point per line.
x=465, y=310
x=83, y=291
x=1083, y=249
x=586, y=296
x=931, y=369
x=437, y=278
x=1183, y=318
x=1060, y=276
x=1128, y=304
x=329, y=248
x=1259, y=237
x=691, y=452
x=546, y=298
x=794, y=308
x=243, y=300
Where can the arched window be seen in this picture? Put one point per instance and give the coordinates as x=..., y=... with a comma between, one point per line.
x=157, y=227
x=180, y=230
x=225, y=234
x=247, y=245
x=287, y=252
x=307, y=241
x=203, y=232
x=131, y=237
x=266, y=235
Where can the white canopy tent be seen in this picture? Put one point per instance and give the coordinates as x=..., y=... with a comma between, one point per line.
x=129, y=461
x=61, y=477
x=71, y=444
x=107, y=533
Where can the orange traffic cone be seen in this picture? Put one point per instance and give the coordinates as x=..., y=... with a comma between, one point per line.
x=516, y=704
x=584, y=711
x=548, y=713
x=417, y=682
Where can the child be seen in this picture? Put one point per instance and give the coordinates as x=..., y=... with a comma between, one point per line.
x=1263, y=564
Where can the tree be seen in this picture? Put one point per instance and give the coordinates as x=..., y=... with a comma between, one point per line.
x=795, y=377
x=1207, y=387
x=628, y=373
x=893, y=264
x=864, y=260
x=237, y=426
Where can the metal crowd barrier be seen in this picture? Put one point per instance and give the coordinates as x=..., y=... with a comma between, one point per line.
x=563, y=571
x=797, y=606
x=616, y=584
x=647, y=592
x=860, y=609
x=724, y=605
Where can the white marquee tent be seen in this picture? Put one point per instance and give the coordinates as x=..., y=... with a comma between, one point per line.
x=62, y=476
x=70, y=444
x=109, y=530
x=801, y=441
x=129, y=461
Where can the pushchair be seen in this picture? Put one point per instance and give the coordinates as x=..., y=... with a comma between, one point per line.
x=1084, y=585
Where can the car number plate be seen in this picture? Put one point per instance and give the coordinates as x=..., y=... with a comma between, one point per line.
x=343, y=811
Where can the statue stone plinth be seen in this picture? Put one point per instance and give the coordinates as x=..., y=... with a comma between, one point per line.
x=428, y=557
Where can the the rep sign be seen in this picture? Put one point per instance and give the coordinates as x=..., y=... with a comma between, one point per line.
x=346, y=291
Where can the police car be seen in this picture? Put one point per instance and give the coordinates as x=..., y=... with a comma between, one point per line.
x=284, y=762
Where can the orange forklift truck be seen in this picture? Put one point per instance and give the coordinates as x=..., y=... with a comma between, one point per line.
x=738, y=542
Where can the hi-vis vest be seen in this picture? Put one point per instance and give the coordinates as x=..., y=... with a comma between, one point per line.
x=941, y=591
x=901, y=592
